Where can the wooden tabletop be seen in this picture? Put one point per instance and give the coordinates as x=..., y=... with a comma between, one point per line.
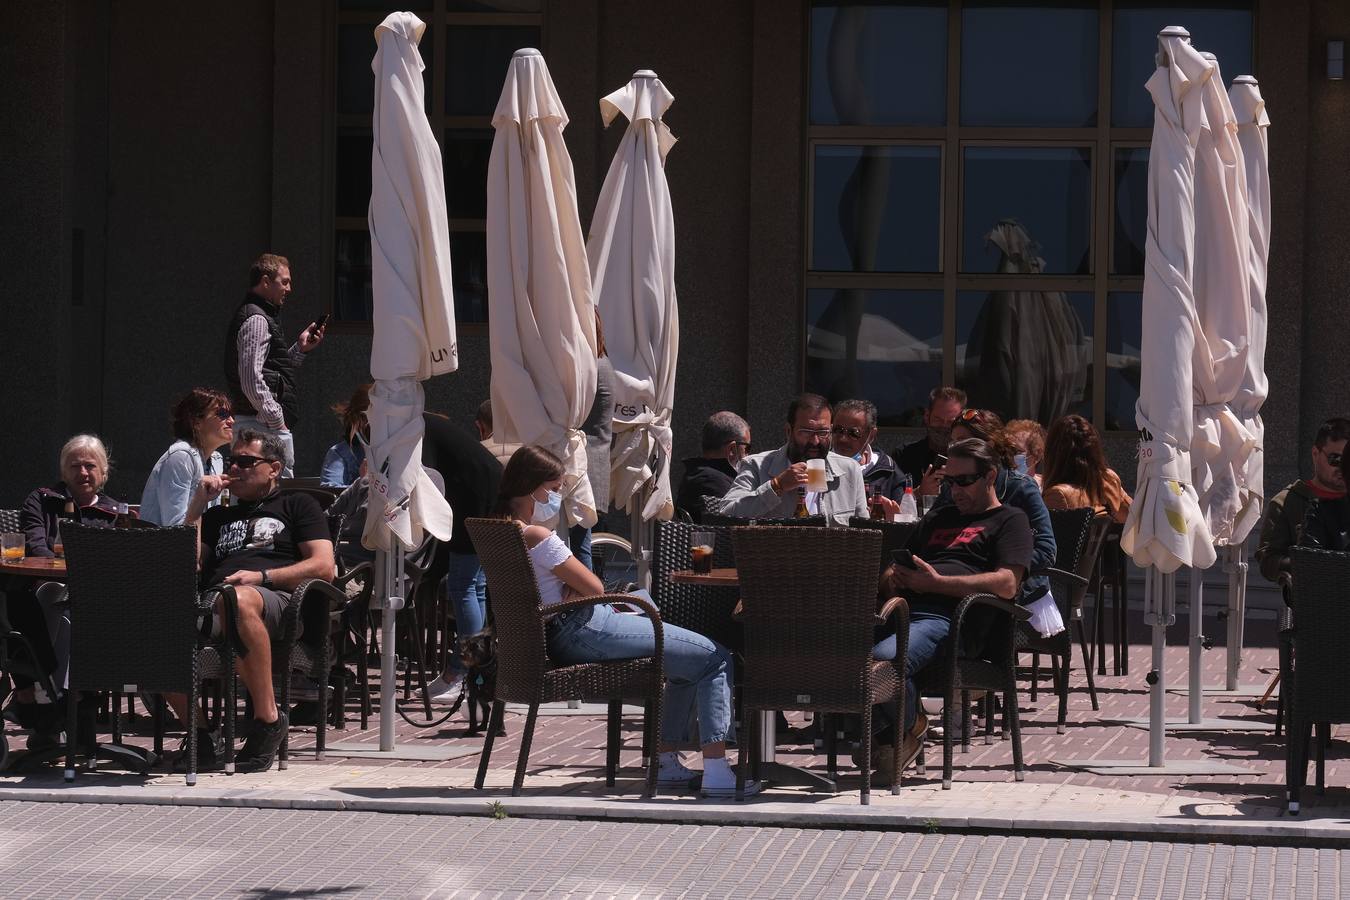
x=715, y=578
x=35, y=567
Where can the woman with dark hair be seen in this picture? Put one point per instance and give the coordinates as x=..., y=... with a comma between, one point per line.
x=1076, y=474
x=202, y=423
x=342, y=463
x=698, y=670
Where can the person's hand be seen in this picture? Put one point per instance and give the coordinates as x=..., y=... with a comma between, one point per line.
x=922, y=579
x=931, y=482
x=791, y=478
x=211, y=486
x=312, y=336
x=889, y=506
x=243, y=578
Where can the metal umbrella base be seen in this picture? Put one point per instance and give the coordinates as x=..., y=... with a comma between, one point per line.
x=1138, y=767
x=1205, y=724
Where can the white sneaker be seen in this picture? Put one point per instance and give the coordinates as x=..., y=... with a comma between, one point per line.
x=727, y=791
x=674, y=773
x=442, y=691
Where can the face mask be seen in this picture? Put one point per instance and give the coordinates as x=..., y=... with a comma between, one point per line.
x=548, y=511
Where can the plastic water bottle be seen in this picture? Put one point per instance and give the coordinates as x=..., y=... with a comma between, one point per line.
x=909, y=510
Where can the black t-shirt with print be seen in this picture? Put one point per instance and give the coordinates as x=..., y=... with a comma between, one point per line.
x=250, y=537
x=956, y=544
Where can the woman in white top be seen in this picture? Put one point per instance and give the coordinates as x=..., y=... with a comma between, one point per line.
x=698, y=670
x=203, y=422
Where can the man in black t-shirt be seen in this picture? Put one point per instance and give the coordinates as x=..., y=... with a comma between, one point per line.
x=975, y=545
x=265, y=545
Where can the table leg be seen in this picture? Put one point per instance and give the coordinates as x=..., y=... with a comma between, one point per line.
x=782, y=773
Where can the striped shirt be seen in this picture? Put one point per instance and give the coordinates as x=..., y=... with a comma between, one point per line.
x=252, y=347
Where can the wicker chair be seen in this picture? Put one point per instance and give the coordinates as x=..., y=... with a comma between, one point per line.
x=1320, y=668
x=524, y=673
x=894, y=535
x=809, y=599
x=9, y=520
x=18, y=656
x=716, y=518
x=700, y=608
x=1079, y=534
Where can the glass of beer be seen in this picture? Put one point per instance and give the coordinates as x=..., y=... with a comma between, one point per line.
x=11, y=547
x=58, y=545
x=815, y=475
x=701, y=550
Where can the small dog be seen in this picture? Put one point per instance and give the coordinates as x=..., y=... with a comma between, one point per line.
x=479, y=653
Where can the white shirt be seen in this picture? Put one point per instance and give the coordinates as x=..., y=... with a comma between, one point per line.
x=546, y=556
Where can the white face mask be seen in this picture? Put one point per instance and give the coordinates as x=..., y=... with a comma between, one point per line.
x=547, y=512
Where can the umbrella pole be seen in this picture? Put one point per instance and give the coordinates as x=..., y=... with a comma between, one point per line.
x=1159, y=605
x=1237, y=611
x=391, y=597
x=637, y=530
x=1195, y=691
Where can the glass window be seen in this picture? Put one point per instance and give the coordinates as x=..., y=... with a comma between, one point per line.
x=879, y=65
x=876, y=209
x=495, y=6
x=1029, y=63
x=1222, y=28
x=356, y=81
x=1124, y=334
x=465, y=157
x=883, y=346
x=352, y=198
x=476, y=60
x=352, y=300
x=468, y=270
x=1131, y=213
x=1026, y=210
x=1025, y=354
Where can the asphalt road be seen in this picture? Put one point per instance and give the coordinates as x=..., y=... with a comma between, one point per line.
x=86, y=850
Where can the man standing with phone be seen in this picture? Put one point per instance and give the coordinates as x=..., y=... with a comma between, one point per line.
x=259, y=365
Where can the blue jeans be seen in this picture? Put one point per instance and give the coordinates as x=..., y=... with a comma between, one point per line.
x=579, y=538
x=698, y=669
x=466, y=587
x=928, y=630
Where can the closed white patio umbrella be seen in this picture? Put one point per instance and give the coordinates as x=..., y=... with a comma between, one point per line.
x=632, y=258
x=414, y=322
x=541, y=317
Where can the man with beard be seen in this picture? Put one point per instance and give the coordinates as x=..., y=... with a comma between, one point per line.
x=917, y=459
x=770, y=484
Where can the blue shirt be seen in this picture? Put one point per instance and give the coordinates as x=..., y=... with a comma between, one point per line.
x=172, y=482
x=341, y=465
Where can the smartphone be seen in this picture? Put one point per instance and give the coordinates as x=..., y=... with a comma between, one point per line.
x=939, y=461
x=903, y=558
x=319, y=323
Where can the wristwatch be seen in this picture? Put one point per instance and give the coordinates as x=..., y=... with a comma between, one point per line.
x=266, y=578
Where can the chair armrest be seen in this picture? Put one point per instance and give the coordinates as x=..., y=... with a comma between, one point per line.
x=601, y=599
x=1286, y=582
x=1052, y=572
x=1018, y=613
x=336, y=601
x=891, y=607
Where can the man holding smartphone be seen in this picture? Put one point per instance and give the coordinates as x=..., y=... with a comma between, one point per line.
x=973, y=545
x=260, y=366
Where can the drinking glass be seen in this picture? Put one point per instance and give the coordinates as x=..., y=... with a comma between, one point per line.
x=815, y=475
x=11, y=547
x=929, y=501
x=58, y=544
x=701, y=550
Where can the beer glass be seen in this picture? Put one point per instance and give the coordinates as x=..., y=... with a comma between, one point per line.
x=815, y=475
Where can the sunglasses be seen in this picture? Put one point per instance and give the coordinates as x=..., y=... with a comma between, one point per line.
x=968, y=414
x=1333, y=458
x=841, y=431
x=224, y=415
x=961, y=480
x=244, y=461
x=745, y=444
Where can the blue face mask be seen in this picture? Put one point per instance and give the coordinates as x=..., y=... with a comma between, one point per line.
x=547, y=512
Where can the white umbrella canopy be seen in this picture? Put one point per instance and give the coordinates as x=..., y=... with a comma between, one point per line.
x=1249, y=108
x=1165, y=528
x=541, y=318
x=414, y=321
x=632, y=256
x=1220, y=444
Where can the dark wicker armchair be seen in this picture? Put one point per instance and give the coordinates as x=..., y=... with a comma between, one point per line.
x=809, y=599
x=9, y=520
x=524, y=672
x=1314, y=692
x=700, y=608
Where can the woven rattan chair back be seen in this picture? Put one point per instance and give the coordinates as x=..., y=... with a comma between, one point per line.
x=1322, y=614
x=133, y=607
x=518, y=620
x=703, y=609
x=809, y=598
x=711, y=518
x=894, y=535
x=9, y=520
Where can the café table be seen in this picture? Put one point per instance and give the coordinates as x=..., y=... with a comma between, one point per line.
x=35, y=567
x=770, y=768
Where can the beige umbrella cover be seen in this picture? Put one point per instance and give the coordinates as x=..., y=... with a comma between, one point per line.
x=632, y=254
x=1250, y=110
x=414, y=321
x=1165, y=528
x=541, y=318
x=1220, y=443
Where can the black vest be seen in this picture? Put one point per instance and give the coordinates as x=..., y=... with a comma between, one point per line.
x=278, y=370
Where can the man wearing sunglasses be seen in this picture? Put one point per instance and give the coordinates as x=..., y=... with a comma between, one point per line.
x=975, y=544
x=1287, y=511
x=265, y=545
x=770, y=484
x=854, y=435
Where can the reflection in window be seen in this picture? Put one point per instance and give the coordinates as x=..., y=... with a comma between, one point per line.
x=876, y=209
x=356, y=80
x=1131, y=226
x=861, y=53
x=1029, y=63
x=1027, y=210
x=465, y=158
x=1223, y=28
x=476, y=60
x=1025, y=354
x=352, y=199
x=468, y=268
x=883, y=346
x=1124, y=333
x=352, y=299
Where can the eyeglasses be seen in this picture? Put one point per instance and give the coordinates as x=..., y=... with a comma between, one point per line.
x=224, y=415
x=745, y=444
x=1333, y=458
x=841, y=431
x=808, y=433
x=244, y=461
x=962, y=480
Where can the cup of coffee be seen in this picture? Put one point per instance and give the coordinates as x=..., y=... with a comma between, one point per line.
x=815, y=475
x=701, y=550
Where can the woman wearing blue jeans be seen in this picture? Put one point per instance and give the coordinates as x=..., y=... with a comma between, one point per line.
x=698, y=670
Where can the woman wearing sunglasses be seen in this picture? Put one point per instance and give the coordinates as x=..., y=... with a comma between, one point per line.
x=202, y=423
